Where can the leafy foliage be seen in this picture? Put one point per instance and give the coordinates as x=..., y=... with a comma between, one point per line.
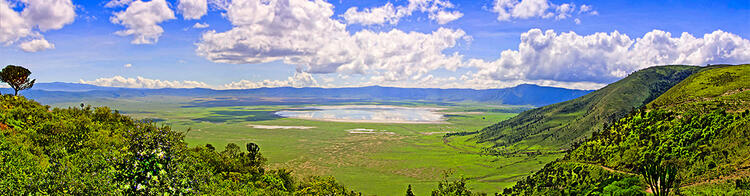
x=673, y=144
x=98, y=151
x=570, y=178
x=17, y=77
x=455, y=187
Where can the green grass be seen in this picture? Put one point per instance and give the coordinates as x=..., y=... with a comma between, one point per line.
x=379, y=164
x=711, y=82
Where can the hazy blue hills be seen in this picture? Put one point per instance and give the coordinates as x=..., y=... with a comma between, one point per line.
x=525, y=94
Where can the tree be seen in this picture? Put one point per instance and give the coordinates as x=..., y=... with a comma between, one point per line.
x=409, y=192
x=660, y=177
x=17, y=77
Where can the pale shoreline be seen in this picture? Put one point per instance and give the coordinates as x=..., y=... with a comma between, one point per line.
x=432, y=109
x=372, y=121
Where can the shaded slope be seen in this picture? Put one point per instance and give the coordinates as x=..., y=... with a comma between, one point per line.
x=701, y=126
x=558, y=125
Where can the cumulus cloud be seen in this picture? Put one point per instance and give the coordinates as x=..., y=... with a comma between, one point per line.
x=606, y=57
x=140, y=82
x=443, y=17
x=193, y=9
x=49, y=14
x=37, y=16
x=12, y=25
x=142, y=20
x=36, y=45
x=523, y=9
x=117, y=3
x=300, y=79
x=302, y=33
x=199, y=25
x=388, y=13
x=128, y=65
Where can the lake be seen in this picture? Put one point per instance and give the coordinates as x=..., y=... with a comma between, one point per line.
x=366, y=113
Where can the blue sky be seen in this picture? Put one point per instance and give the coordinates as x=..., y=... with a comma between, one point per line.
x=294, y=43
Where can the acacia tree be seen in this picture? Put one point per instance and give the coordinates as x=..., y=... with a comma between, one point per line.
x=661, y=178
x=17, y=77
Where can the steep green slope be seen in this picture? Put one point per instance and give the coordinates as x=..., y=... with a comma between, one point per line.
x=701, y=126
x=723, y=82
x=558, y=125
x=95, y=151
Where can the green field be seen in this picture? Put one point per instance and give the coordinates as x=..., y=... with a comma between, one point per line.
x=381, y=164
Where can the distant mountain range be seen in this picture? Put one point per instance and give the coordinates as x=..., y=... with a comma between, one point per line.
x=524, y=94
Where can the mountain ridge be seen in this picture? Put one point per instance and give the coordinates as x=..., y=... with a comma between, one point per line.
x=520, y=95
x=558, y=125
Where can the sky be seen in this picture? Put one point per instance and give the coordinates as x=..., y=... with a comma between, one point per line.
x=240, y=44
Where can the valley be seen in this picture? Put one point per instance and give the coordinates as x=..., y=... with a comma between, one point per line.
x=374, y=157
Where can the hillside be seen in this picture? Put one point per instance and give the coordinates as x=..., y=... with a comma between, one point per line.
x=701, y=127
x=525, y=94
x=558, y=125
x=96, y=151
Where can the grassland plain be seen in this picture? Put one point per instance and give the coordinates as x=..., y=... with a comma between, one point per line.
x=375, y=163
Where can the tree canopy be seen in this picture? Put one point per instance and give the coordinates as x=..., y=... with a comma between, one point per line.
x=17, y=77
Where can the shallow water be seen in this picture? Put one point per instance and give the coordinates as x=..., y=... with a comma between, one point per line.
x=366, y=113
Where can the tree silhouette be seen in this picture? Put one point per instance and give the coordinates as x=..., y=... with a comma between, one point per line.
x=409, y=192
x=17, y=77
x=252, y=150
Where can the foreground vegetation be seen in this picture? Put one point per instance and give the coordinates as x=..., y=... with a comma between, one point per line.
x=98, y=151
x=696, y=135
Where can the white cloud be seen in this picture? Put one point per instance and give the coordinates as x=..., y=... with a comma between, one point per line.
x=605, y=57
x=587, y=9
x=524, y=9
x=443, y=17
x=302, y=33
x=117, y=3
x=219, y=4
x=578, y=21
x=142, y=20
x=564, y=11
x=41, y=15
x=12, y=25
x=128, y=65
x=36, y=45
x=49, y=14
x=300, y=79
x=140, y=82
x=199, y=25
x=193, y=9
x=388, y=13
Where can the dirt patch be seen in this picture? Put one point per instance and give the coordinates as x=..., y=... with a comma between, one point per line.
x=369, y=131
x=436, y=132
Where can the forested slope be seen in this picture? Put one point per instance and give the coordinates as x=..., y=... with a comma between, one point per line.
x=558, y=125
x=701, y=127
